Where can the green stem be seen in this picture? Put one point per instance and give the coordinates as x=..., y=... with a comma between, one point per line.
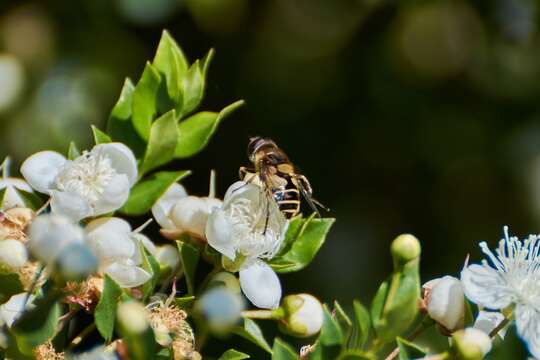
x=394, y=284
x=264, y=314
x=424, y=324
x=501, y=326
x=79, y=338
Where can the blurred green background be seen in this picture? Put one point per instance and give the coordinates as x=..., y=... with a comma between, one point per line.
x=412, y=116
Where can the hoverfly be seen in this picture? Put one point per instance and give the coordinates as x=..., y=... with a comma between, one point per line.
x=277, y=176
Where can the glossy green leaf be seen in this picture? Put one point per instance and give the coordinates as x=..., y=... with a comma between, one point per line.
x=252, y=332
x=162, y=142
x=99, y=136
x=205, y=62
x=232, y=354
x=196, y=131
x=394, y=307
x=352, y=354
x=105, y=313
x=171, y=63
x=10, y=284
x=297, y=226
x=331, y=333
x=409, y=350
x=189, y=258
x=192, y=84
x=73, y=151
x=151, y=265
x=304, y=247
x=120, y=127
x=362, y=325
x=30, y=199
x=38, y=325
x=146, y=192
x=144, y=106
x=283, y=351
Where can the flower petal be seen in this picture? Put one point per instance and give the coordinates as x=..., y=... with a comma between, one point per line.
x=40, y=170
x=122, y=158
x=528, y=327
x=115, y=195
x=108, y=224
x=261, y=285
x=10, y=310
x=219, y=233
x=49, y=234
x=70, y=204
x=486, y=287
x=110, y=239
x=127, y=276
x=489, y=320
x=446, y=303
x=13, y=253
x=242, y=189
x=165, y=203
x=139, y=239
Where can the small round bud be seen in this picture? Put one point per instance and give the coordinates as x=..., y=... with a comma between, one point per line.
x=13, y=254
x=167, y=255
x=132, y=317
x=221, y=308
x=405, y=248
x=445, y=302
x=227, y=280
x=303, y=315
x=76, y=262
x=471, y=344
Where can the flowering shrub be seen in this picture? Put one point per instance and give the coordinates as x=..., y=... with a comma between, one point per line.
x=75, y=274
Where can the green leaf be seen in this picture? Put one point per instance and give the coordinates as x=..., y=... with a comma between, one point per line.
x=394, y=306
x=105, y=313
x=232, y=354
x=362, y=325
x=196, y=131
x=331, y=333
x=205, y=62
x=10, y=284
x=140, y=346
x=38, y=325
x=189, y=258
x=99, y=136
x=146, y=192
x=283, y=351
x=73, y=151
x=184, y=302
x=409, y=350
x=120, y=127
x=252, y=332
x=355, y=355
x=162, y=142
x=297, y=225
x=171, y=63
x=30, y=199
x=151, y=265
x=193, y=84
x=304, y=247
x=144, y=105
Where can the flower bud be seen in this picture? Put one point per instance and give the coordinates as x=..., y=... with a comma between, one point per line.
x=221, y=308
x=445, y=302
x=167, y=255
x=76, y=262
x=471, y=344
x=227, y=280
x=132, y=317
x=13, y=254
x=405, y=248
x=303, y=315
x=190, y=214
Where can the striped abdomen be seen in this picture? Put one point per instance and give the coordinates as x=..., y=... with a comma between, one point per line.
x=288, y=199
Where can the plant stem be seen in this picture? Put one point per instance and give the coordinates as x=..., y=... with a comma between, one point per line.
x=499, y=327
x=33, y=286
x=79, y=338
x=262, y=314
x=417, y=331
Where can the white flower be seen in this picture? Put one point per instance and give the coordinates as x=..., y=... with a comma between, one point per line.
x=167, y=255
x=304, y=315
x=133, y=317
x=50, y=234
x=251, y=228
x=13, y=308
x=178, y=213
x=118, y=250
x=512, y=278
x=13, y=253
x=221, y=308
x=445, y=302
x=95, y=183
x=12, y=197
